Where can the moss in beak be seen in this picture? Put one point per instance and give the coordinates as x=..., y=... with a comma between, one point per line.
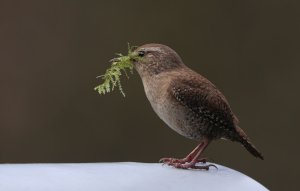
x=111, y=78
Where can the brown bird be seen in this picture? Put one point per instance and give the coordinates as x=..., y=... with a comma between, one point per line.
x=188, y=103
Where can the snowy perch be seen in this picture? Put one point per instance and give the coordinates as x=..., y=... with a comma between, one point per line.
x=125, y=176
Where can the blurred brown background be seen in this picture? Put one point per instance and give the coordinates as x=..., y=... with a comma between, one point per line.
x=51, y=52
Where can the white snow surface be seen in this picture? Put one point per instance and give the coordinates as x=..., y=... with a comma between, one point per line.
x=123, y=176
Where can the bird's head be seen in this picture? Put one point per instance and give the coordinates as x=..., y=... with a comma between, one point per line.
x=154, y=59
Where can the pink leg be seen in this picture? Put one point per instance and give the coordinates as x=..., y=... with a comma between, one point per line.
x=191, y=160
x=182, y=161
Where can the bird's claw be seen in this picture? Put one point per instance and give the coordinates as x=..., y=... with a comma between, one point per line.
x=186, y=163
x=193, y=166
x=172, y=160
x=180, y=161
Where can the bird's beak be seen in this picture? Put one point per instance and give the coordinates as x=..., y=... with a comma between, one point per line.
x=133, y=56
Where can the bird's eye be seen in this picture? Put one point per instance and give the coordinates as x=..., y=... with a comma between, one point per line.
x=141, y=53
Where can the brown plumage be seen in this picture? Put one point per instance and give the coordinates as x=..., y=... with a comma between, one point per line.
x=187, y=102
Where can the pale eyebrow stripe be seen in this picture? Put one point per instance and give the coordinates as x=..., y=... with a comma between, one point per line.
x=158, y=49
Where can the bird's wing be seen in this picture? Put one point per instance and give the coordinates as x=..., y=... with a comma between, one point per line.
x=206, y=101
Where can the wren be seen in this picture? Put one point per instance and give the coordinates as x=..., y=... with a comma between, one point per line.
x=188, y=103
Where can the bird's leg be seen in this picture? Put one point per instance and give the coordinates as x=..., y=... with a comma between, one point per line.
x=188, y=158
x=195, y=158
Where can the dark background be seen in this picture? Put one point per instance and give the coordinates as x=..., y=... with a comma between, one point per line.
x=51, y=52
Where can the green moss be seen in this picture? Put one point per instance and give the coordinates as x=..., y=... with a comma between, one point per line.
x=111, y=78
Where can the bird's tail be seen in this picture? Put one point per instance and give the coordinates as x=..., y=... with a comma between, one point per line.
x=244, y=140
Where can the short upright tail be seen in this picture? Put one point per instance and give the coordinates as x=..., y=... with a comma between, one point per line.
x=244, y=140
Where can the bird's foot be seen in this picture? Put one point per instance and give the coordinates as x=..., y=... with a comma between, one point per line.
x=190, y=161
x=192, y=165
x=170, y=161
x=173, y=160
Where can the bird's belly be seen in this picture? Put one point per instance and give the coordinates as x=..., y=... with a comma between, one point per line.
x=175, y=115
x=178, y=118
